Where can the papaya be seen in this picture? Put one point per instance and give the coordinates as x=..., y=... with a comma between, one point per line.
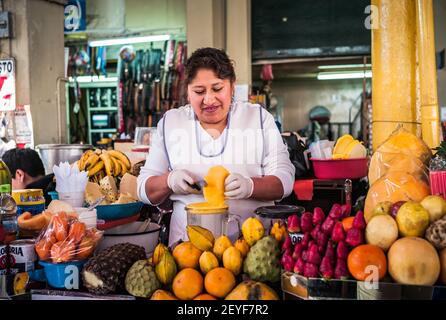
x=20, y=282
x=43, y=247
x=162, y=295
x=27, y=221
x=60, y=226
x=205, y=296
x=77, y=232
x=62, y=251
x=251, y=290
x=214, y=190
x=85, y=248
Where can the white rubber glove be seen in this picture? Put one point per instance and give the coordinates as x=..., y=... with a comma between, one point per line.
x=238, y=187
x=178, y=180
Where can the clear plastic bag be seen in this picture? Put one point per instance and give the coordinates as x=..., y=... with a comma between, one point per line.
x=385, y=162
x=402, y=152
x=322, y=149
x=66, y=239
x=395, y=186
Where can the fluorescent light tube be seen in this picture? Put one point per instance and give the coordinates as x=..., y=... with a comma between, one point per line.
x=345, y=66
x=129, y=40
x=344, y=75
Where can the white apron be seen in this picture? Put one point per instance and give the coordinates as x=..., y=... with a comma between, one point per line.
x=242, y=153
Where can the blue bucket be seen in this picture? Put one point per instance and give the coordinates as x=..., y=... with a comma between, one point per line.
x=58, y=273
x=54, y=195
x=33, y=208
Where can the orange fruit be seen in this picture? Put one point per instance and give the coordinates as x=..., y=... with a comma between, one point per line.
x=219, y=282
x=365, y=258
x=347, y=223
x=187, y=284
x=205, y=296
x=186, y=255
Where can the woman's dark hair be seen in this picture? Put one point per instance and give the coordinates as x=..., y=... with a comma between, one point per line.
x=27, y=160
x=210, y=58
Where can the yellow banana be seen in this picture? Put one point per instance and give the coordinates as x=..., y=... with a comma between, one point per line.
x=116, y=166
x=98, y=151
x=98, y=167
x=91, y=161
x=83, y=159
x=108, y=163
x=123, y=167
x=121, y=156
x=79, y=164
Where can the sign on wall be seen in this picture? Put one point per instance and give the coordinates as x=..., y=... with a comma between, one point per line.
x=23, y=127
x=7, y=84
x=75, y=16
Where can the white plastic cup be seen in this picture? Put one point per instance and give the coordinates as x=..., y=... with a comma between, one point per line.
x=76, y=199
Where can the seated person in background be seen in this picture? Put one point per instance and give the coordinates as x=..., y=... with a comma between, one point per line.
x=319, y=116
x=28, y=172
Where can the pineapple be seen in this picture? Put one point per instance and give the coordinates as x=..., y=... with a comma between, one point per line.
x=105, y=272
x=438, y=162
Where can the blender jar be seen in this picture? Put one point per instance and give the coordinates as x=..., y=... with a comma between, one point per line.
x=215, y=219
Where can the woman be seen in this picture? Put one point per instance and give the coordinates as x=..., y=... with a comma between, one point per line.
x=214, y=130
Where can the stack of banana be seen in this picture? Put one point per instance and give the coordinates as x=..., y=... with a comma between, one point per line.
x=100, y=163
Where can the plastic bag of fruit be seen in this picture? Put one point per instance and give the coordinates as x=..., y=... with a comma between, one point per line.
x=394, y=187
x=66, y=239
x=402, y=151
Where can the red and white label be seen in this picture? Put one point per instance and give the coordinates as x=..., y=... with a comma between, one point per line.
x=7, y=85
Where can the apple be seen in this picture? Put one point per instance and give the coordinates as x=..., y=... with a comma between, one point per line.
x=395, y=207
